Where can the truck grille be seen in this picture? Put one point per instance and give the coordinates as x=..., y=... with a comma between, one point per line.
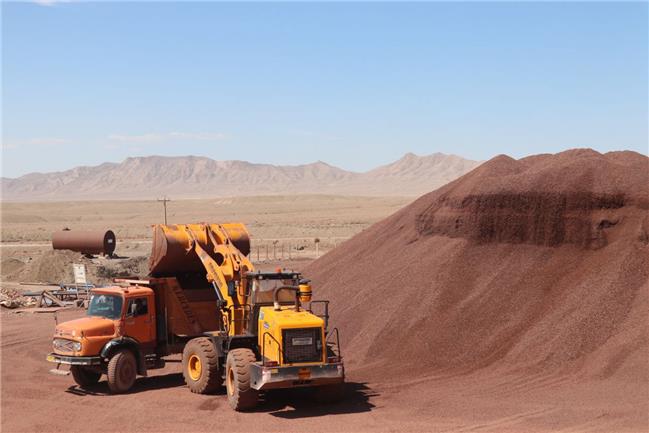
x=302, y=345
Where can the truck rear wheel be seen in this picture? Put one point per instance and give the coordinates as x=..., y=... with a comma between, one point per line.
x=122, y=370
x=84, y=377
x=330, y=393
x=241, y=395
x=201, y=366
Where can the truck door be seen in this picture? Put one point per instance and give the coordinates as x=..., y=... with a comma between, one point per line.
x=140, y=320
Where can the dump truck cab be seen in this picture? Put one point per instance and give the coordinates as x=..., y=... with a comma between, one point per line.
x=118, y=319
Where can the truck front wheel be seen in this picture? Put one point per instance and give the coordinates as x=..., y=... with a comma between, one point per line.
x=84, y=377
x=122, y=370
x=201, y=366
x=241, y=395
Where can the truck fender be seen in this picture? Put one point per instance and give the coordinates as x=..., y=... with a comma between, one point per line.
x=125, y=343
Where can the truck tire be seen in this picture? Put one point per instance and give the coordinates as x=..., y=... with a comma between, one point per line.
x=330, y=393
x=241, y=395
x=84, y=377
x=201, y=366
x=122, y=370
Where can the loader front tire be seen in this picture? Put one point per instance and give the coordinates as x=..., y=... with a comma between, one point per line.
x=201, y=366
x=241, y=396
x=84, y=377
x=122, y=371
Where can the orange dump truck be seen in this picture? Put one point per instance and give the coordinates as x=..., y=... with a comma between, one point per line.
x=232, y=325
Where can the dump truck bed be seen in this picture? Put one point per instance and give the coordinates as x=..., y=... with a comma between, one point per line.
x=186, y=307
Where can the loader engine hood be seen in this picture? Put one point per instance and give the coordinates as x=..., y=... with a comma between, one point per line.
x=86, y=327
x=291, y=337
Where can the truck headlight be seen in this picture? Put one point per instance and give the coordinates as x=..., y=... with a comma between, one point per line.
x=64, y=345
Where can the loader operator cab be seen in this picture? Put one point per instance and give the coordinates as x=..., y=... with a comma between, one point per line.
x=262, y=285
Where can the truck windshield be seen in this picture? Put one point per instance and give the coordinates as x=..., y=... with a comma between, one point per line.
x=109, y=306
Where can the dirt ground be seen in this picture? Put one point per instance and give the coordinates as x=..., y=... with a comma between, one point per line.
x=489, y=399
x=35, y=401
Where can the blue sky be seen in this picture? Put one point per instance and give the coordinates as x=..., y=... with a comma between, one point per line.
x=352, y=84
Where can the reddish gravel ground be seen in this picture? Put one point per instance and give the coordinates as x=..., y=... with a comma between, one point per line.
x=514, y=299
x=35, y=401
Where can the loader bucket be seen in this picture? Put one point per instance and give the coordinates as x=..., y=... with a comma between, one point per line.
x=170, y=252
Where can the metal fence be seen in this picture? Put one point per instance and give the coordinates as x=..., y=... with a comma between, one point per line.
x=292, y=248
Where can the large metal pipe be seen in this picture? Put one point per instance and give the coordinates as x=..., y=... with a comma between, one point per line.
x=85, y=242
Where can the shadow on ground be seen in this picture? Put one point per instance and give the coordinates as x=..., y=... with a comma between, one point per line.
x=141, y=384
x=283, y=403
x=299, y=402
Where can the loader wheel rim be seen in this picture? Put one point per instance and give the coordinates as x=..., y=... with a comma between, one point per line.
x=230, y=384
x=194, y=367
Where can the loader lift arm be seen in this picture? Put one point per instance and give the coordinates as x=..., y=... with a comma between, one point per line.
x=225, y=271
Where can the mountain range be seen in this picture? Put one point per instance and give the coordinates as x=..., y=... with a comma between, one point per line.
x=202, y=177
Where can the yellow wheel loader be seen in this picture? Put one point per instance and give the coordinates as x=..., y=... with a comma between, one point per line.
x=252, y=331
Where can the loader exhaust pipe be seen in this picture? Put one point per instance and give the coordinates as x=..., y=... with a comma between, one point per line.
x=302, y=294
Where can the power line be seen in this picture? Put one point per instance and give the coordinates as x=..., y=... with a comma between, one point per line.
x=164, y=201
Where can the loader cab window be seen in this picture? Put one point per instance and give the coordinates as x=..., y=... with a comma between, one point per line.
x=263, y=290
x=137, y=307
x=108, y=306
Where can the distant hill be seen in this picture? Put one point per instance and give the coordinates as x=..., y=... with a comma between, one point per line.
x=200, y=177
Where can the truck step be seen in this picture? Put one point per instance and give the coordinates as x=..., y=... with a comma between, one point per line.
x=153, y=362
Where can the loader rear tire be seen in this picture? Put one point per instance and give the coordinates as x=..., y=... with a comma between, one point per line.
x=84, y=377
x=241, y=395
x=122, y=371
x=330, y=393
x=201, y=366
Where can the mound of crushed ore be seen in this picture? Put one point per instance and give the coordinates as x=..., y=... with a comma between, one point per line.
x=532, y=265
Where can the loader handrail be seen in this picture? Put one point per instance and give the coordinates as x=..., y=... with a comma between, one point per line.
x=335, y=330
x=324, y=316
x=263, y=348
x=243, y=320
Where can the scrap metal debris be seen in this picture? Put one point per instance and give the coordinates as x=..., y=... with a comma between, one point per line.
x=11, y=298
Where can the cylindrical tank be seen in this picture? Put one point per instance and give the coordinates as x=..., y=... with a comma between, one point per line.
x=85, y=242
x=169, y=252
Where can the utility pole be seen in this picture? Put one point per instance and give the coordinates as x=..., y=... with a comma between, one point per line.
x=164, y=201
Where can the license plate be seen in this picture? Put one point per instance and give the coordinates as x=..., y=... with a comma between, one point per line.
x=302, y=341
x=304, y=373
